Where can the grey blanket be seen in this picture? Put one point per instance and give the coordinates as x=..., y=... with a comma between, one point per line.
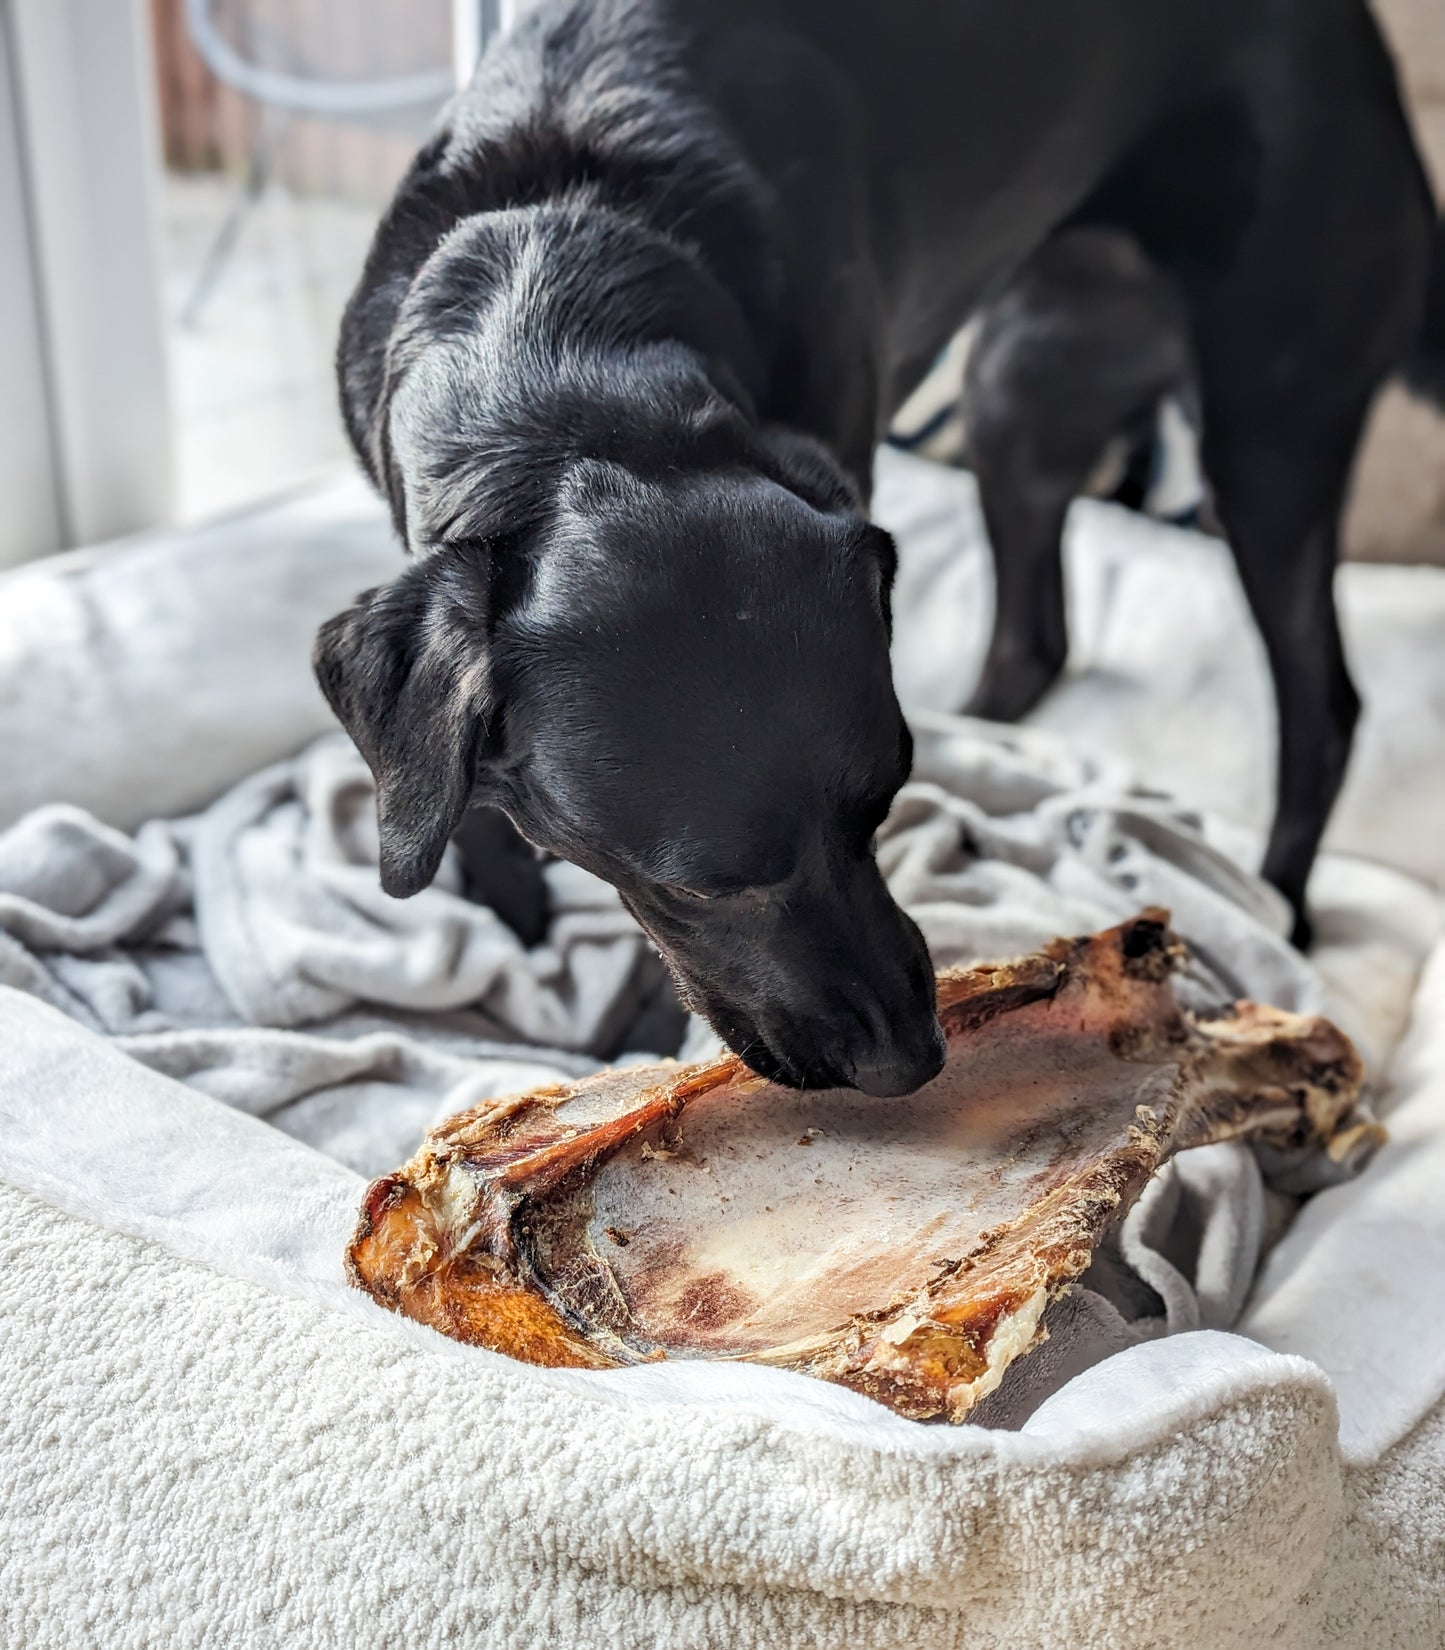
x=249, y=952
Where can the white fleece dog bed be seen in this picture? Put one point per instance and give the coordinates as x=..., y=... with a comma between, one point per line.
x=206, y=1438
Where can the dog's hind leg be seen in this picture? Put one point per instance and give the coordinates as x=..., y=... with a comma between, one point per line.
x=1278, y=449
x=1279, y=485
x=1084, y=342
x=1312, y=315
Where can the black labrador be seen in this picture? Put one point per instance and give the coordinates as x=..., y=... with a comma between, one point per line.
x=623, y=347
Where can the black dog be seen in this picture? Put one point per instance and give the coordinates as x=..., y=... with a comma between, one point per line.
x=622, y=350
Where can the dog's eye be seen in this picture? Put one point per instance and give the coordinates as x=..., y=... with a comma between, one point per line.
x=678, y=891
x=740, y=893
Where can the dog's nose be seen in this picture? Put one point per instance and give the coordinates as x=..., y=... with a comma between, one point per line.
x=901, y=1071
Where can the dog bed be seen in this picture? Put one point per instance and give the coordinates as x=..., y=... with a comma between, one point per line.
x=209, y=1438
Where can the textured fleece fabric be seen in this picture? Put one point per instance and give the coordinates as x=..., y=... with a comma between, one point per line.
x=207, y=1439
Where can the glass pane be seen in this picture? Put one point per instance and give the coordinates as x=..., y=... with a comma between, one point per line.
x=266, y=216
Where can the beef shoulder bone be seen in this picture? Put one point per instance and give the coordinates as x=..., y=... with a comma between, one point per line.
x=904, y=1248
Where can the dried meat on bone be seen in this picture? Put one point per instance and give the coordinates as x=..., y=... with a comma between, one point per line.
x=904, y=1248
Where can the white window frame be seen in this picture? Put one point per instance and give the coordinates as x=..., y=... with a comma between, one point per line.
x=85, y=421
x=474, y=22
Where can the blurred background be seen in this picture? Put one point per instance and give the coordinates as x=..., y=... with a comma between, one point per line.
x=187, y=189
x=265, y=212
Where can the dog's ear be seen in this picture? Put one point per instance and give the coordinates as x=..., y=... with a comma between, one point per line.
x=881, y=553
x=406, y=670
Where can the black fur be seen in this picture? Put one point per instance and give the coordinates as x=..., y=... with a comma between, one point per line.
x=1081, y=346
x=622, y=350
x=1425, y=367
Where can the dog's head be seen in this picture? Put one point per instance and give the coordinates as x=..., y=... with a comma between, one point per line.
x=684, y=686
x=653, y=633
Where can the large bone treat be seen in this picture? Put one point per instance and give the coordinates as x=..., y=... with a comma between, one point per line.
x=905, y=1248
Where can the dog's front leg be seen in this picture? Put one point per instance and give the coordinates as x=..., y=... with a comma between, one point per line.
x=502, y=870
x=1024, y=513
x=1028, y=472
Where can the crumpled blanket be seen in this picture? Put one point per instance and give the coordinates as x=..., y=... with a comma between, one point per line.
x=249, y=951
